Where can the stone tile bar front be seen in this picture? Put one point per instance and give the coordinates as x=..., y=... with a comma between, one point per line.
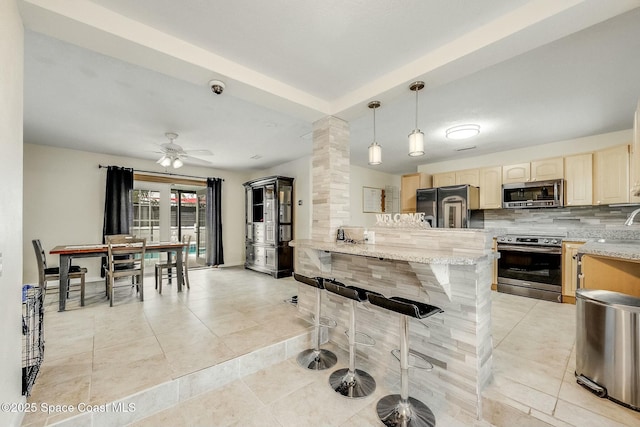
x=451, y=269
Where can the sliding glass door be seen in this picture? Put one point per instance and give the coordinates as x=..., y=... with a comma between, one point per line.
x=163, y=212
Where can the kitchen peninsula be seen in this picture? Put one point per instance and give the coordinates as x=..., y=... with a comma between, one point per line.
x=447, y=268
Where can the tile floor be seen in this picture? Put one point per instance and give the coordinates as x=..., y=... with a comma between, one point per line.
x=223, y=354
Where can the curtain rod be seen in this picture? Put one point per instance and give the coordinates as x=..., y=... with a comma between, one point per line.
x=160, y=173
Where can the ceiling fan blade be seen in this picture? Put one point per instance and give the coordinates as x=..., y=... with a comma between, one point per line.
x=199, y=160
x=199, y=152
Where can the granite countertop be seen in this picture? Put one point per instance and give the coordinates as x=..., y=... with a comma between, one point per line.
x=421, y=255
x=628, y=250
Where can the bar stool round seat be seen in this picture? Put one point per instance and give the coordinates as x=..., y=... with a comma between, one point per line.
x=351, y=382
x=316, y=358
x=397, y=410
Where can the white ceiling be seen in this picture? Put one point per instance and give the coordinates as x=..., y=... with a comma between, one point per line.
x=112, y=76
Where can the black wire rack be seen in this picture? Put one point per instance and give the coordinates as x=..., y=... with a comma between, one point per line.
x=32, y=335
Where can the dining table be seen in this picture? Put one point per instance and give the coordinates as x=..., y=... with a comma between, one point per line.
x=68, y=252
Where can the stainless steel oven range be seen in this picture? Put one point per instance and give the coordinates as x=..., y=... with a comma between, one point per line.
x=530, y=266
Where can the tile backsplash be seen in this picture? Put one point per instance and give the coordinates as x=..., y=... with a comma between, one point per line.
x=583, y=222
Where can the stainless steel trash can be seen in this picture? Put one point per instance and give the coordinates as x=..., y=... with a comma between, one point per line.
x=608, y=345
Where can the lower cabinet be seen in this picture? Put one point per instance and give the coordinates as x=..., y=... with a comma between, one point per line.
x=570, y=271
x=276, y=261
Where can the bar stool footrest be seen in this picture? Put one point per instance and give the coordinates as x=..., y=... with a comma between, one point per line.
x=327, y=322
x=362, y=339
x=421, y=362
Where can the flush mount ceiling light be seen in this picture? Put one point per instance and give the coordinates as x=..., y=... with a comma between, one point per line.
x=416, y=138
x=462, y=131
x=375, y=150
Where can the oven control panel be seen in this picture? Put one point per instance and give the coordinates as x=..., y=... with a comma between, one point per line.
x=531, y=240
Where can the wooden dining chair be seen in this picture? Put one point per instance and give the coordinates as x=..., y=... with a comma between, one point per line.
x=125, y=258
x=48, y=274
x=166, y=269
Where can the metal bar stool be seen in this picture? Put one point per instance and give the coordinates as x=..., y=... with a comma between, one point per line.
x=351, y=382
x=400, y=409
x=316, y=358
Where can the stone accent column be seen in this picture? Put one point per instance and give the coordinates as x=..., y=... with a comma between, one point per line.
x=330, y=178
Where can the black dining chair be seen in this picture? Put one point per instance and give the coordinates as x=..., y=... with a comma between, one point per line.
x=52, y=274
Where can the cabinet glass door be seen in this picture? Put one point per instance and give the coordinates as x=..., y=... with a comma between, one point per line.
x=285, y=203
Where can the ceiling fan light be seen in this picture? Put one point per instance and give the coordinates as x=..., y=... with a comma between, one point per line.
x=462, y=131
x=177, y=163
x=375, y=154
x=164, y=161
x=416, y=143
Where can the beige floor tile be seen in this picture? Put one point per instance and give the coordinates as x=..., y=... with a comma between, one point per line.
x=221, y=407
x=537, y=375
x=581, y=417
x=574, y=394
x=334, y=410
x=127, y=378
x=278, y=381
x=205, y=352
x=127, y=352
x=172, y=417
x=260, y=417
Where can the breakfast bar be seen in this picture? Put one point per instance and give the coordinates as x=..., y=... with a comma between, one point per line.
x=450, y=269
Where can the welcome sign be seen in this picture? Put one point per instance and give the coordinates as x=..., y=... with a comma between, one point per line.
x=409, y=220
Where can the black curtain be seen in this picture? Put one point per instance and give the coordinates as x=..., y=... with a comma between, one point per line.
x=213, y=222
x=118, y=202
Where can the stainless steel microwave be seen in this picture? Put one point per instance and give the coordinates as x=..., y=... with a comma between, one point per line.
x=536, y=194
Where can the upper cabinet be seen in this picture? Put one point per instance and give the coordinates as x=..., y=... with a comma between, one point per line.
x=490, y=187
x=543, y=170
x=635, y=158
x=468, y=176
x=409, y=184
x=578, y=174
x=540, y=170
x=516, y=173
x=444, y=179
x=611, y=172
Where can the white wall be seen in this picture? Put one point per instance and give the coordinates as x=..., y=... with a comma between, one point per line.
x=64, y=202
x=520, y=155
x=11, y=102
x=363, y=177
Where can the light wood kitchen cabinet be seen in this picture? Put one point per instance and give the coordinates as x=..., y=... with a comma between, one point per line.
x=444, y=179
x=468, y=176
x=635, y=158
x=409, y=184
x=546, y=169
x=610, y=274
x=490, y=187
x=611, y=175
x=570, y=271
x=539, y=170
x=578, y=174
x=520, y=172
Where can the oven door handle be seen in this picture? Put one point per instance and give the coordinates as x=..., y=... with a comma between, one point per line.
x=527, y=248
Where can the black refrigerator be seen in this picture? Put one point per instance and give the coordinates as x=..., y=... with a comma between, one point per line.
x=454, y=206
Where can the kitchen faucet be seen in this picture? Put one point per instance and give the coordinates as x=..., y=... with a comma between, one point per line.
x=633, y=214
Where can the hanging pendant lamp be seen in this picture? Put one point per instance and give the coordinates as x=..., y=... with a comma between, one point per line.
x=416, y=138
x=375, y=150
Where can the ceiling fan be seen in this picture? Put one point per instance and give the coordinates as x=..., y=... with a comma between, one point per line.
x=173, y=154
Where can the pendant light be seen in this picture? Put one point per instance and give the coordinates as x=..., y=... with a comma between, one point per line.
x=375, y=150
x=416, y=138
